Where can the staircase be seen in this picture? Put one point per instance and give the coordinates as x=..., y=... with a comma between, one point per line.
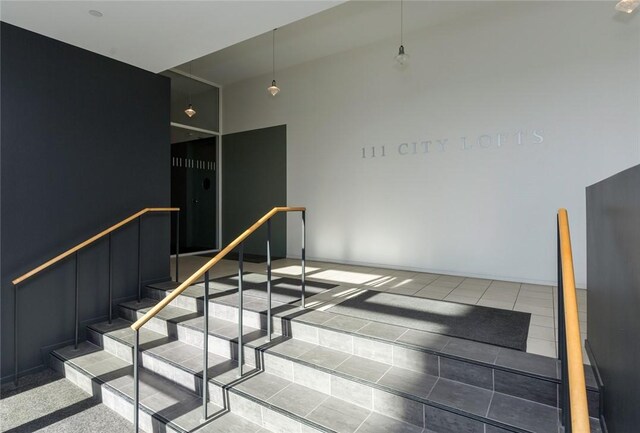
x=321, y=372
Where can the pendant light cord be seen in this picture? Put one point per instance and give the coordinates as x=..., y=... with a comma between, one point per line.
x=273, y=58
x=401, y=21
x=190, y=77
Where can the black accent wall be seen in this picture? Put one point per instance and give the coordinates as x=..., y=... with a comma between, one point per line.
x=254, y=180
x=613, y=296
x=84, y=144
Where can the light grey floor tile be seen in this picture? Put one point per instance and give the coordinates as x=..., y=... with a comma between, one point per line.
x=404, y=290
x=424, y=339
x=541, y=332
x=462, y=299
x=546, y=321
x=324, y=357
x=382, y=330
x=363, y=368
x=534, y=302
x=407, y=381
x=298, y=399
x=290, y=347
x=338, y=415
x=541, y=347
x=505, y=305
x=263, y=385
x=377, y=423
x=346, y=323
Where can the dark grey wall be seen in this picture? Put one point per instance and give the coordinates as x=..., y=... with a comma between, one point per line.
x=613, y=296
x=254, y=180
x=84, y=143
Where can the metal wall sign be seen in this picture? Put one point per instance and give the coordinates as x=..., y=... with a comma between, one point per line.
x=465, y=143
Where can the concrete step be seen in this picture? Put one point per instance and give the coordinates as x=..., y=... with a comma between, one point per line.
x=164, y=407
x=419, y=399
x=524, y=375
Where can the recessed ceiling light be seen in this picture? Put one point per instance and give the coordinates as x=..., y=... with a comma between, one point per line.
x=95, y=13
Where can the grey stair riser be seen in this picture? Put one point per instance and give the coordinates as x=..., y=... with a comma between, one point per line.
x=111, y=398
x=511, y=383
x=217, y=345
x=377, y=399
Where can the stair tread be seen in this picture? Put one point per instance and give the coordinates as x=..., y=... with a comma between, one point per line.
x=157, y=394
x=510, y=359
x=285, y=394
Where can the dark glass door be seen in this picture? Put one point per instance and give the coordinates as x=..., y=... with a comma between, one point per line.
x=193, y=190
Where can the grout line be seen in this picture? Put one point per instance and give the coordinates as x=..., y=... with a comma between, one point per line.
x=291, y=383
x=319, y=404
x=363, y=421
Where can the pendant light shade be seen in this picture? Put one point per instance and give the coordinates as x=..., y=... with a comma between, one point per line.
x=273, y=89
x=190, y=112
x=402, y=58
x=627, y=6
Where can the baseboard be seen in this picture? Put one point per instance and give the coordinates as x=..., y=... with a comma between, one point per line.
x=435, y=271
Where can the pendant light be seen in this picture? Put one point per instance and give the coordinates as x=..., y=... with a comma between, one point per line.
x=627, y=6
x=273, y=89
x=190, y=111
x=402, y=58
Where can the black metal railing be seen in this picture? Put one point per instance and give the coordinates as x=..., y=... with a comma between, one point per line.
x=74, y=252
x=204, y=271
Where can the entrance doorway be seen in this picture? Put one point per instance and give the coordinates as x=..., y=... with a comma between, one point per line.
x=193, y=190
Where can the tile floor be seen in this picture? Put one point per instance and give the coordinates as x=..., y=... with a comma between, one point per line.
x=539, y=300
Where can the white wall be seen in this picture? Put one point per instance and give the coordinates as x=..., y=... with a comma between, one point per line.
x=568, y=70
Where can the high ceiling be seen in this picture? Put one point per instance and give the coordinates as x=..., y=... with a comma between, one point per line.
x=352, y=24
x=156, y=35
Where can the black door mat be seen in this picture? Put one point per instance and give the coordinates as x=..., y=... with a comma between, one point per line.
x=494, y=326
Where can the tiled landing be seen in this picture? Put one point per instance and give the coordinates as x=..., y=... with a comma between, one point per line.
x=539, y=300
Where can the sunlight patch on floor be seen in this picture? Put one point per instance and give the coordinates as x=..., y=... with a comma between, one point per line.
x=295, y=270
x=346, y=276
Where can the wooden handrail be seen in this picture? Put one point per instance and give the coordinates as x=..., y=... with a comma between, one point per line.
x=576, y=380
x=92, y=239
x=200, y=272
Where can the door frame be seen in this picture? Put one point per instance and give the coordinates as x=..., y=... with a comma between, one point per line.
x=218, y=172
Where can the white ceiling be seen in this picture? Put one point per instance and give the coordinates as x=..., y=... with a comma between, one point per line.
x=342, y=28
x=156, y=35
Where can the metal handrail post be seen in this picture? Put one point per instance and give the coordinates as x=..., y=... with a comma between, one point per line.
x=110, y=283
x=77, y=316
x=136, y=379
x=139, y=260
x=303, y=282
x=177, y=243
x=269, y=280
x=240, y=350
x=15, y=334
x=205, y=347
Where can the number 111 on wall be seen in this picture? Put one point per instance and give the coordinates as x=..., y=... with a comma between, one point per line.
x=373, y=151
